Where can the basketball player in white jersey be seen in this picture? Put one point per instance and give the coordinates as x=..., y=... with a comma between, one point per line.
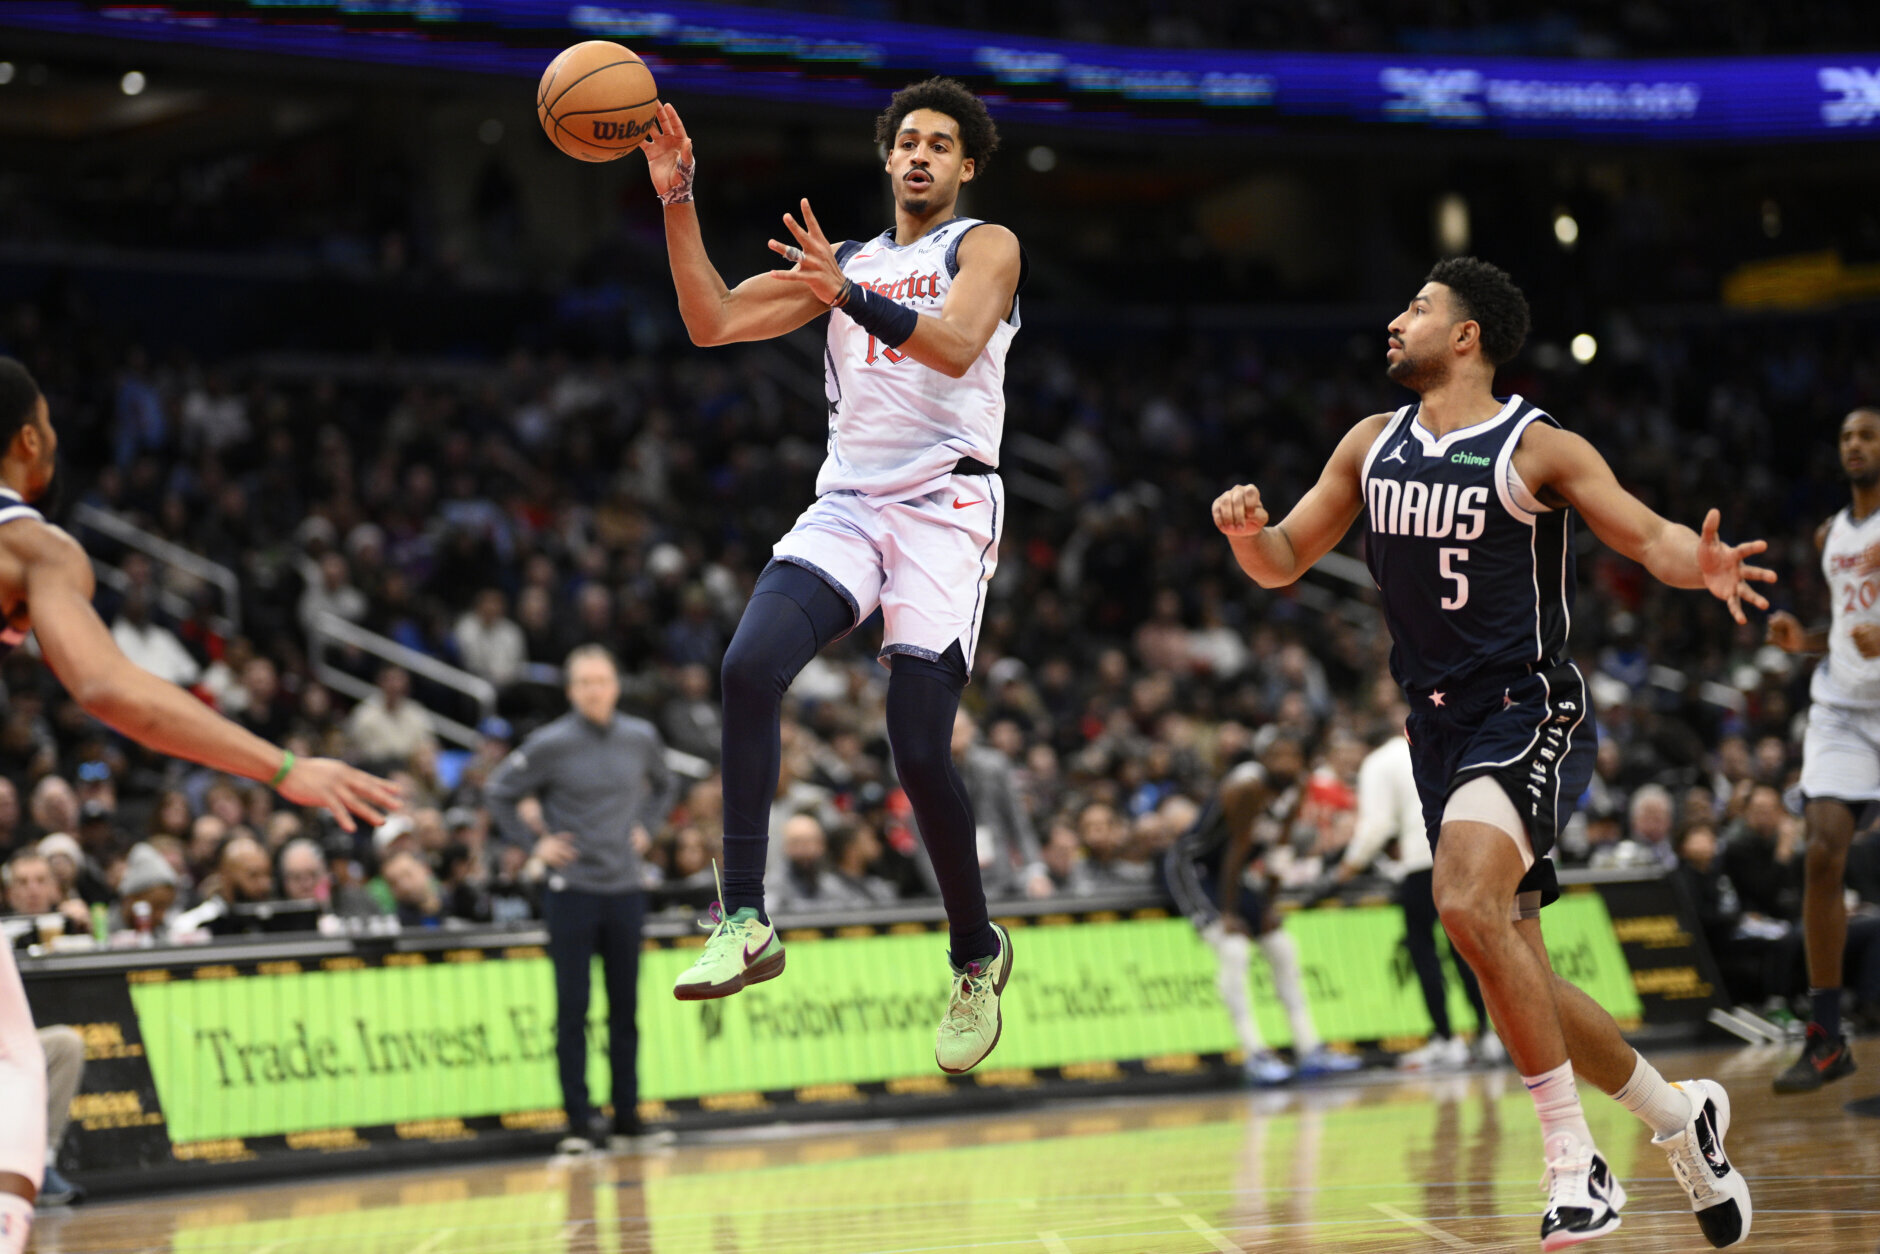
x=1841, y=751
x=46, y=588
x=907, y=514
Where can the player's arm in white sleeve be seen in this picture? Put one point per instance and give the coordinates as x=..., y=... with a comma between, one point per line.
x=1563, y=465
x=1277, y=555
x=760, y=308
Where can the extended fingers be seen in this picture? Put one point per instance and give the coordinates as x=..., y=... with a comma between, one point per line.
x=1711, y=521
x=1755, y=598
x=1760, y=574
x=802, y=236
x=809, y=216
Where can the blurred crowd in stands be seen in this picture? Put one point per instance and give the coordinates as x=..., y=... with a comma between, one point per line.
x=492, y=517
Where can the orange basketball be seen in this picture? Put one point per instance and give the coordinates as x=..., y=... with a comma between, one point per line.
x=597, y=101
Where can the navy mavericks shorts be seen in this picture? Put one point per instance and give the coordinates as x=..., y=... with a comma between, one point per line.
x=1532, y=735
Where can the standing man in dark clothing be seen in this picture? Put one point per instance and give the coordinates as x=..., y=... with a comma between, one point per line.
x=597, y=779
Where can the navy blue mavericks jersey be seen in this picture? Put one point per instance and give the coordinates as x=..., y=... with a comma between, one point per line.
x=13, y=508
x=1476, y=574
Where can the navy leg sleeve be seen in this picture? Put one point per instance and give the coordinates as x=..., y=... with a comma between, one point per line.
x=792, y=615
x=923, y=698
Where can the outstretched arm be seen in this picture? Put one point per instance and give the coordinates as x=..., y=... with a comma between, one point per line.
x=760, y=308
x=151, y=711
x=1563, y=464
x=1276, y=556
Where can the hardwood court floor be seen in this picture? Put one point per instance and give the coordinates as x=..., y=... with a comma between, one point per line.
x=1379, y=1164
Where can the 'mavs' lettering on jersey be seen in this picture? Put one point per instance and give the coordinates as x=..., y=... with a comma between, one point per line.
x=896, y=427
x=1476, y=574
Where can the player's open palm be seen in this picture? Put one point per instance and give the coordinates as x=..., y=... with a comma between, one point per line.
x=1866, y=637
x=669, y=153
x=343, y=791
x=1727, y=573
x=1238, y=512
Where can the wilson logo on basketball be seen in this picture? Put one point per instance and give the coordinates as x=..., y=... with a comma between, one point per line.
x=622, y=131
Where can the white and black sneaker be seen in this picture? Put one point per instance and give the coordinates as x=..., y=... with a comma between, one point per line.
x=1719, y=1194
x=1583, y=1196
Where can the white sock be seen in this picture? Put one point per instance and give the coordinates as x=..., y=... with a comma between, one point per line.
x=1557, y=1102
x=16, y=1223
x=1283, y=956
x=1230, y=978
x=1655, y=1100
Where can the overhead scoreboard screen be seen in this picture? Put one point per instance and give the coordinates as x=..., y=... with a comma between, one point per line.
x=711, y=49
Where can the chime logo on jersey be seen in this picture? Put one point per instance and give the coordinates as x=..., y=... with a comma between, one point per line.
x=1431, y=511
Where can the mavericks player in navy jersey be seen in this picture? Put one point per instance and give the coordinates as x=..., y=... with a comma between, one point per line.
x=46, y=588
x=1470, y=501
x=907, y=514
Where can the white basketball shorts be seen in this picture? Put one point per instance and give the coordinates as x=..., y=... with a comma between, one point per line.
x=927, y=562
x=1841, y=754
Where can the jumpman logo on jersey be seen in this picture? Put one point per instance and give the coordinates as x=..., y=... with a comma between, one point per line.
x=1396, y=454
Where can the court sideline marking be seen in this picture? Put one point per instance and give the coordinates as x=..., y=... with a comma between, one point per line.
x=1430, y=1230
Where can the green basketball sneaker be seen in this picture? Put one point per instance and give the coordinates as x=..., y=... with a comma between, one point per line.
x=742, y=949
x=972, y=1023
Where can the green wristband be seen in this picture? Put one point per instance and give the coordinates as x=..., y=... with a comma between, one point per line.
x=287, y=764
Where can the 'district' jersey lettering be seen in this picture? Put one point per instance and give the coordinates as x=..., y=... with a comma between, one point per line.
x=1428, y=511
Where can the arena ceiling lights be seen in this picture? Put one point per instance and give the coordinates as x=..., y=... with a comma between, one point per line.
x=697, y=49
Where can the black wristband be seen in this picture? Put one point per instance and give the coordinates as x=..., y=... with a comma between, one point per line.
x=891, y=323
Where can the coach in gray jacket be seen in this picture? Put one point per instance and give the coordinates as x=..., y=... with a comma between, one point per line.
x=599, y=779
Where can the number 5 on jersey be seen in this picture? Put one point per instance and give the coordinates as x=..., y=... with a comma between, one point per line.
x=1446, y=559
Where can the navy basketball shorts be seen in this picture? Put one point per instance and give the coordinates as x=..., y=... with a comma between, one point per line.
x=1532, y=735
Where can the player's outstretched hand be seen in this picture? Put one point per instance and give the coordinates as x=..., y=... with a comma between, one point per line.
x=1867, y=639
x=813, y=260
x=343, y=791
x=669, y=153
x=1727, y=575
x=1238, y=512
x=1786, y=632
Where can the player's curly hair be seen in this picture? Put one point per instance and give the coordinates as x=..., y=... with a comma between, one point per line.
x=979, y=137
x=1488, y=295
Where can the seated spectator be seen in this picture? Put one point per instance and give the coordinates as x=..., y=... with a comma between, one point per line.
x=689, y=871
x=305, y=877
x=78, y=878
x=31, y=889
x=152, y=645
x=805, y=886
x=488, y=643
x=415, y=894
x=512, y=897
x=1061, y=871
x=146, y=895
x=389, y=726
x=691, y=721
x=1107, y=861
x=853, y=848
x=54, y=806
x=243, y=875
x=1007, y=843
x=1763, y=858
x=460, y=883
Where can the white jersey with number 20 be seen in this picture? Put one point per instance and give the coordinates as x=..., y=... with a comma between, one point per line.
x=896, y=427
x=1850, y=562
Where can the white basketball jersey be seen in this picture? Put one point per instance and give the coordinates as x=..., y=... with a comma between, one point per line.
x=896, y=427
x=1850, y=562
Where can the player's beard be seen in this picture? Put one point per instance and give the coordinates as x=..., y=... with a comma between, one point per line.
x=1411, y=373
x=1865, y=479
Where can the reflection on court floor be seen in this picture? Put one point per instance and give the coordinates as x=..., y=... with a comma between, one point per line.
x=1388, y=1164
